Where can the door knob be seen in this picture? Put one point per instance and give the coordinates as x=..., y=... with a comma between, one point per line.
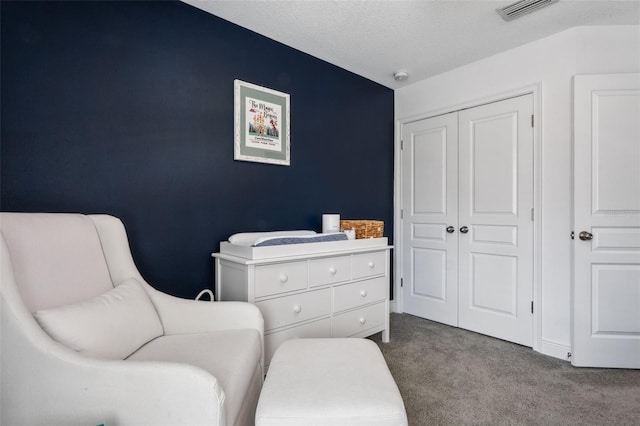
x=464, y=229
x=450, y=229
x=585, y=236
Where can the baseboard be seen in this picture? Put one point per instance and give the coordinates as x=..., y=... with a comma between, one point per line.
x=393, y=307
x=555, y=350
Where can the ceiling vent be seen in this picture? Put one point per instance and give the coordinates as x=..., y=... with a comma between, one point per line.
x=522, y=7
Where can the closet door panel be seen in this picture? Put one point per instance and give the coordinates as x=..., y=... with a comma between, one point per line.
x=430, y=205
x=492, y=166
x=495, y=202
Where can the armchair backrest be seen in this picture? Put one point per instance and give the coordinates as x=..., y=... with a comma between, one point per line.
x=57, y=258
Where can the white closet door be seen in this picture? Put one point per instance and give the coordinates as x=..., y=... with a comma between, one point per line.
x=606, y=283
x=430, y=205
x=495, y=210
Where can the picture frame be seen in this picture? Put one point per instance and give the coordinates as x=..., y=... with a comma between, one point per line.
x=261, y=124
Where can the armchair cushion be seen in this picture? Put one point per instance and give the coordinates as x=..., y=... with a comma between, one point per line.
x=112, y=325
x=232, y=356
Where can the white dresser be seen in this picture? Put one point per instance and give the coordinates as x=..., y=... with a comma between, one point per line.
x=329, y=289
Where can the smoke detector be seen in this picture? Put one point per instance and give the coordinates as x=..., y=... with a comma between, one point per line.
x=522, y=7
x=401, y=75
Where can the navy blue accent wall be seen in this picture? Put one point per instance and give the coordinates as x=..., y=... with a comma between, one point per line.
x=126, y=108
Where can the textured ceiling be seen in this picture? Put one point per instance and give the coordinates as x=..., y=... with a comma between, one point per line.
x=375, y=38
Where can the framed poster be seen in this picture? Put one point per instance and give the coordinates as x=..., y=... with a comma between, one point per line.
x=261, y=124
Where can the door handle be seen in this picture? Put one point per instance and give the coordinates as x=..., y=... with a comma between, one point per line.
x=450, y=229
x=585, y=236
x=464, y=230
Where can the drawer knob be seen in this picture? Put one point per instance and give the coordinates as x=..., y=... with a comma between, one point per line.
x=363, y=320
x=363, y=293
x=332, y=270
x=297, y=309
x=284, y=278
x=372, y=264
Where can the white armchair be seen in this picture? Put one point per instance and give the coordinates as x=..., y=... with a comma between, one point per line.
x=85, y=340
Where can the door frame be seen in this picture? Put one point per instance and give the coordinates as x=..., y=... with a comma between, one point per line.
x=535, y=90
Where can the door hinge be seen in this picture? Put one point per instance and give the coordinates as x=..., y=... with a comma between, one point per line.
x=532, y=120
x=531, y=214
x=573, y=235
x=401, y=144
x=401, y=282
x=401, y=213
x=532, y=306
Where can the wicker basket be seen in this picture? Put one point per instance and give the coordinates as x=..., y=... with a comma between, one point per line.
x=364, y=228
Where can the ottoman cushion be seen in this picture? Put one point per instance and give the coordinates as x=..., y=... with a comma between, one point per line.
x=329, y=382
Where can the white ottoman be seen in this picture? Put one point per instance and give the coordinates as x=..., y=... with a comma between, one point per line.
x=329, y=382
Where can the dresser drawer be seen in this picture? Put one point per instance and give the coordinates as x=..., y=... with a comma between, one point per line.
x=360, y=293
x=295, y=308
x=329, y=270
x=353, y=322
x=321, y=328
x=369, y=264
x=280, y=278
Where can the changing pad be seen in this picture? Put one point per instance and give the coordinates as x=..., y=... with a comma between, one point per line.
x=300, y=239
x=250, y=238
x=276, y=238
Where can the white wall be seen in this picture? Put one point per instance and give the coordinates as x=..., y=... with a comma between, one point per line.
x=550, y=65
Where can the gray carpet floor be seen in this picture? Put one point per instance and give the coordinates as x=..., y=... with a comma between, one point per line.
x=450, y=376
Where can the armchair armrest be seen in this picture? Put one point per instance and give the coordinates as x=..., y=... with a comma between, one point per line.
x=179, y=316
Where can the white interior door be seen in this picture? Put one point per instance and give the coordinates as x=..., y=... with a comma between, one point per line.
x=495, y=219
x=430, y=206
x=606, y=281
